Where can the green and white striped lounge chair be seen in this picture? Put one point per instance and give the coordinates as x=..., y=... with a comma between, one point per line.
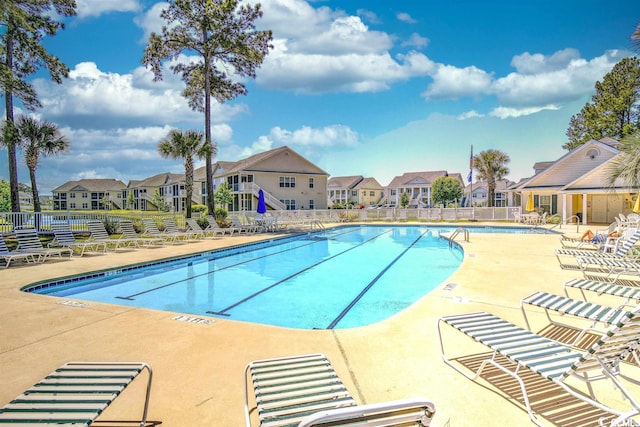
x=29, y=242
x=129, y=233
x=99, y=234
x=63, y=237
x=202, y=233
x=631, y=294
x=75, y=395
x=305, y=391
x=563, y=306
x=573, y=370
x=609, y=269
x=622, y=250
x=7, y=256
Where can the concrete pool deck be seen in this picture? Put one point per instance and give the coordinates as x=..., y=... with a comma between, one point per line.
x=198, y=368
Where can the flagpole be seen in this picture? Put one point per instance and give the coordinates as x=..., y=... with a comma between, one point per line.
x=471, y=178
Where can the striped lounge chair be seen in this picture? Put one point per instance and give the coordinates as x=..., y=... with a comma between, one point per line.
x=561, y=306
x=75, y=395
x=516, y=351
x=622, y=250
x=631, y=294
x=305, y=391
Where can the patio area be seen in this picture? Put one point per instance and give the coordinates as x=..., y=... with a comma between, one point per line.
x=198, y=366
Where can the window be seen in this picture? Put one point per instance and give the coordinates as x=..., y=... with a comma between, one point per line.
x=372, y=193
x=72, y=195
x=72, y=205
x=354, y=193
x=312, y=204
x=287, y=182
x=289, y=204
x=311, y=183
x=85, y=206
x=84, y=195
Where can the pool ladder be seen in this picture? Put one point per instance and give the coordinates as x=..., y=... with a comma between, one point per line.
x=457, y=231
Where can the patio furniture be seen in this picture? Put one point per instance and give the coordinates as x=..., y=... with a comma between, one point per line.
x=63, y=237
x=76, y=394
x=515, y=349
x=8, y=256
x=305, y=391
x=29, y=242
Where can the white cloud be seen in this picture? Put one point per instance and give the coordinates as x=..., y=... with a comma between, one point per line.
x=92, y=8
x=537, y=63
x=451, y=82
x=91, y=98
x=405, y=17
x=328, y=136
x=469, y=115
x=507, y=112
x=151, y=21
x=417, y=41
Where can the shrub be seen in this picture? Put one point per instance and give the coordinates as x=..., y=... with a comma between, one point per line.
x=110, y=225
x=198, y=208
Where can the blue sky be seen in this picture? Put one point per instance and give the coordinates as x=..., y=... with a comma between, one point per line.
x=360, y=87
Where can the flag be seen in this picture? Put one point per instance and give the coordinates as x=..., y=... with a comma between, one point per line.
x=470, y=176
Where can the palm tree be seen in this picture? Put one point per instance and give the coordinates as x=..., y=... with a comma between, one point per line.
x=491, y=167
x=626, y=166
x=185, y=144
x=38, y=138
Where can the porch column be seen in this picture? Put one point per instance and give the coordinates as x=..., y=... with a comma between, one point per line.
x=584, y=208
x=564, y=209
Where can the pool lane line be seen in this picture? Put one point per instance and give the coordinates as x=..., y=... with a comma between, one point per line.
x=362, y=293
x=166, y=285
x=279, y=282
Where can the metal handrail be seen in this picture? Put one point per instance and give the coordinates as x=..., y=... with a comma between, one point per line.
x=455, y=234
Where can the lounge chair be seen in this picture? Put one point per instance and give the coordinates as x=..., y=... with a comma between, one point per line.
x=7, y=256
x=622, y=249
x=242, y=228
x=151, y=230
x=631, y=294
x=563, y=306
x=600, y=237
x=305, y=391
x=213, y=226
x=129, y=233
x=202, y=233
x=29, y=242
x=63, y=237
x=171, y=227
x=556, y=362
x=75, y=395
x=609, y=269
x=99, y=234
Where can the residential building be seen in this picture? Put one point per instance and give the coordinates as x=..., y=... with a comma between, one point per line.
x=355, y=190
x=418, y=185
x=164, y=188
x=577, y=185
x=288, y=181
x=480, y=193
x=89, y=194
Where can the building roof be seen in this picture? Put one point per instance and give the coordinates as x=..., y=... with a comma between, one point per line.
x=97, y=184
x=501, y=185
x=344, y=182
x=368, y=184
x=415, y=178
x=157, y=180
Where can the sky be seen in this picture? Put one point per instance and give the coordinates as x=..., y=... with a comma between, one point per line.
x=359, y=87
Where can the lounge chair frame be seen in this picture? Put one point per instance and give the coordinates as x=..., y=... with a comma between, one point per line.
x=63, y=237
x=76, y=394
x=305, y=391
x=29, y=242
x=554, y=361
x=8, y=256
x=631, y=294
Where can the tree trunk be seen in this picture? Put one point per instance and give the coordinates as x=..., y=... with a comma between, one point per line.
x=207, y=130
x=34, y=190
x=11, y=141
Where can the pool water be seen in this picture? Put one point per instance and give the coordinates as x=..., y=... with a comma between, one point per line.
x=340, y=278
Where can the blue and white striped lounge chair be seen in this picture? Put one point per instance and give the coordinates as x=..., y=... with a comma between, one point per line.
x=573, y=370
x=563, y=306
x=631, y=294
x=622, y=250
x=305, y=391
x=75, y=395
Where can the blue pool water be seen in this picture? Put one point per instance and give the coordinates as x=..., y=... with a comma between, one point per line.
x=340, y=278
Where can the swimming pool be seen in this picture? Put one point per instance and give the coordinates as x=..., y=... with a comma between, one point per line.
x=340, y=278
